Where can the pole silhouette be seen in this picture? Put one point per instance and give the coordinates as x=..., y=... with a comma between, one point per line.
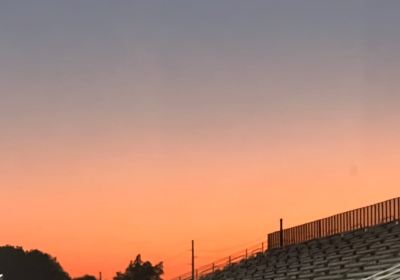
x=193, y=275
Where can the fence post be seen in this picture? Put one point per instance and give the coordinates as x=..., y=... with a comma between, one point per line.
x=281, y=233
x=398, y=208
x=319, y=229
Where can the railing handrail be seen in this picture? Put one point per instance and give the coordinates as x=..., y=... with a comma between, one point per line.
x=358, y=218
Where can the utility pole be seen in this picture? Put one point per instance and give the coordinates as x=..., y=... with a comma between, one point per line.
x=193, y=275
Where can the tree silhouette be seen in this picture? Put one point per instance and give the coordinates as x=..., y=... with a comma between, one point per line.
x=17, y=264
x=139, y=270
x=85, y=277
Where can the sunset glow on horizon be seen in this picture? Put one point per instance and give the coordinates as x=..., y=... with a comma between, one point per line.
x=134, y=127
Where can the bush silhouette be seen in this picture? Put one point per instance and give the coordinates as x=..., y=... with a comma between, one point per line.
x=139, y=270
x=17, y=264
x=85, y=277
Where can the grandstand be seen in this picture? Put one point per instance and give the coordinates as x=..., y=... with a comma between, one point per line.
x=360, y=244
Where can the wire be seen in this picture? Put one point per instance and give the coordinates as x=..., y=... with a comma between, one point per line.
x=176, y=255
x=233, y=247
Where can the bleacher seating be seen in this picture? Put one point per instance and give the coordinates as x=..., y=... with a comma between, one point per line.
x=352, y=255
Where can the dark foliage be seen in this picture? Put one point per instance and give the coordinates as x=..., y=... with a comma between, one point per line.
x=85, y=277
x=17, y=264
x=139, y=270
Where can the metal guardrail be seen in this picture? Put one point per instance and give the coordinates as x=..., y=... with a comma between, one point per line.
x=376, y=214
x=368, y=216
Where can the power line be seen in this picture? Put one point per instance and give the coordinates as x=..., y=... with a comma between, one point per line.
x=233, y=247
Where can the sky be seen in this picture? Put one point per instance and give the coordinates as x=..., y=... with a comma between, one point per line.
x=136, y=126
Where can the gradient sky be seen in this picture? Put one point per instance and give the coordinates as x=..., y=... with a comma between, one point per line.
x=136, y=126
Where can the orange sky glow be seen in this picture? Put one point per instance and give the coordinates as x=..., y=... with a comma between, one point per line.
x=134, y=127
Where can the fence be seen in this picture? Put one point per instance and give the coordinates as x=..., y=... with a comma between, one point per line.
x=224, y=262
x=372, y=215
x=368, y=216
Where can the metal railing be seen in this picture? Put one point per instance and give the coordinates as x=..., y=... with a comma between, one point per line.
x=224, y=263
x=368, y=216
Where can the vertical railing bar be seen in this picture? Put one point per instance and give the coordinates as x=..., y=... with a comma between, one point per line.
x=371, y=209
x=316, y=235
x=387, y=211
x=394, y=209
x=344, y=221
x=398, y=208
x=307, y=232
x=358, y=218
x=363, y=223
x=327, y=226
x=370, y=215
x=349, y=220
x=384, y=215
x=302, y=233
x=295, y=235
x=336, y=223
x=354, y=219
x=341, y=223
x=312, y=230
